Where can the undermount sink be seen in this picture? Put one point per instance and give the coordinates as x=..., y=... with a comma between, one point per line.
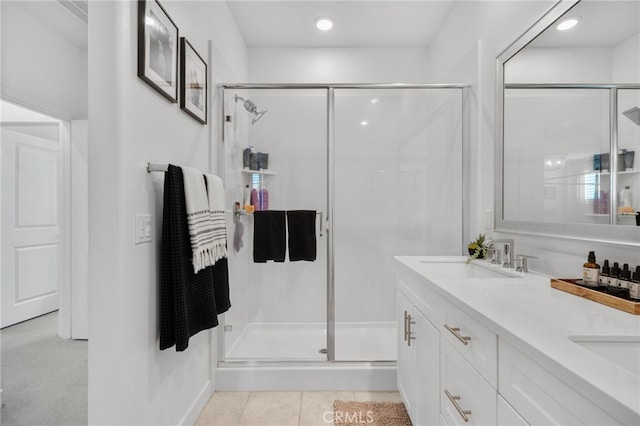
x=621, y=350
x=459, y=268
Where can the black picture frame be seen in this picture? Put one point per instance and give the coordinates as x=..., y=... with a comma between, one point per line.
x=158, y=46
x=193, y=82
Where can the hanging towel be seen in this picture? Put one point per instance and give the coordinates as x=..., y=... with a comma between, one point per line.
x=187, y=300
x=201, y=228
x=269, y=236
x=237, y=237
x=215, y=194
x=302, y=235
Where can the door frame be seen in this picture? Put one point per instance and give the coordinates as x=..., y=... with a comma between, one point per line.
x=64, y=210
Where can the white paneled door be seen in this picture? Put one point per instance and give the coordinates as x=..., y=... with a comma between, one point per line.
x=31, y=254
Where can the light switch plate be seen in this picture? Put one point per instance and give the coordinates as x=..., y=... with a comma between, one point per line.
x=142, y=231
x=488, y=219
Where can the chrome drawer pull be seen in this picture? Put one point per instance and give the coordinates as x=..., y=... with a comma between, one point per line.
x=410, y=337
x=454, y=400
x=406, y=329
x=454, y=331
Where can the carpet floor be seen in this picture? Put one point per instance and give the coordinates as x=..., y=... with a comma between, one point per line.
x=43, y=377
x=370, y=413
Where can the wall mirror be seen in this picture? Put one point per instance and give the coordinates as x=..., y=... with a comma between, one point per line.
x=568, y=120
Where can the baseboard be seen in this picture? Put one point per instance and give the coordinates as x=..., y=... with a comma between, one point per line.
x=198, y=405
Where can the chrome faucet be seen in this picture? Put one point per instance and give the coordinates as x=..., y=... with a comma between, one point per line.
x=507, y=252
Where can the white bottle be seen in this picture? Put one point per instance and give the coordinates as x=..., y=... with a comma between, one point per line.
x=625, y=197
x=246, y=199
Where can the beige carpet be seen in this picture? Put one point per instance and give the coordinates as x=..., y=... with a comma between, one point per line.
x=370, y=413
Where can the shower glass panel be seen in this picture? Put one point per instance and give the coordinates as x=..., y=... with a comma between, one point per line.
x=398, y=191
x=279, y=309
x=628, y=178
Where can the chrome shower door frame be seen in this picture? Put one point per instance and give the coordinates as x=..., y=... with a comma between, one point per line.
x=328, y=219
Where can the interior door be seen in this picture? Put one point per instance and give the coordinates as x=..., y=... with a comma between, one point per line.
x=31, y=254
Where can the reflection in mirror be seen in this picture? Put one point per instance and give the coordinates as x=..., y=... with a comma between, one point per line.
x=571, y=100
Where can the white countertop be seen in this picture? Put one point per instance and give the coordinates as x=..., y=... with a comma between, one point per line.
x=538, y=319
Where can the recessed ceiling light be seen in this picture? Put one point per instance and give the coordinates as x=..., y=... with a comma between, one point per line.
x=324, y=23
x=374, y=100
x=364, y=123
x=567, y=24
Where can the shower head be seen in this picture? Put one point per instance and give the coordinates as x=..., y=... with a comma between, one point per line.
x=633, y=114
x=250, y=106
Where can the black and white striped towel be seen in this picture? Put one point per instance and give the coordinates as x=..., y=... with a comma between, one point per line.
x=208, y=240
x=215, y=192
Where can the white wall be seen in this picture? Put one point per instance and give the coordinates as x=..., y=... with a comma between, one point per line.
x=130, y=380
x=43, y=67
x=337, y=65
x=466, y=49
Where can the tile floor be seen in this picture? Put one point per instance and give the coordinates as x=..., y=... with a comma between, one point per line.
x=280, y=408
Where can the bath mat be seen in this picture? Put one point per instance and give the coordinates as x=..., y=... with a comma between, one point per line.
x=370, y=413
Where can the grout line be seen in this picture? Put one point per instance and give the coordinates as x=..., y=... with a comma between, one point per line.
x=244, y=408
x=300, y=408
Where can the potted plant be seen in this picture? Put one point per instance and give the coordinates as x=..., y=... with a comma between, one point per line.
x=478, y=247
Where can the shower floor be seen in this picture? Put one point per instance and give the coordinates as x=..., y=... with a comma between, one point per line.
x=375, y=341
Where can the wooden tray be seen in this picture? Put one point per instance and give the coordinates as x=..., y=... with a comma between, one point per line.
x=568, y=285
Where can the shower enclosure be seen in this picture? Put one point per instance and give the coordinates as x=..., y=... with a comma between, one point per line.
x=382, y=167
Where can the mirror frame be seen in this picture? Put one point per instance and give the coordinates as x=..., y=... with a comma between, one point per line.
x=611, y=234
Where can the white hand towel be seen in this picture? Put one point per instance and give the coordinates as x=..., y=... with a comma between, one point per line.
x=215, y=192
x=201, y=229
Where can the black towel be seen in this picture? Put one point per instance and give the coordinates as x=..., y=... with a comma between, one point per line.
x=189, y=303
x=302, y=235
x=269, y=236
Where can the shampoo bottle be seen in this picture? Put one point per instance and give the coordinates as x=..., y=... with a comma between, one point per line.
x=591, y=271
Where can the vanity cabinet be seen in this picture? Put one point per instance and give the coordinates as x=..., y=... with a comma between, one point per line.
x=418, y=366
x=455, y=369
x=540, y=397
x=447, y=362
x=466, y=398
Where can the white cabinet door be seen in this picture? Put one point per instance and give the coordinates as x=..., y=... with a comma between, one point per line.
x=426, y=347
x=31, y=254
x=466, y=398
x=405, y=356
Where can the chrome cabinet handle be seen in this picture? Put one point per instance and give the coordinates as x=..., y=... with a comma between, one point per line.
x=410, y=336
x=454, y=331
x=454, y=400
x=321, y=223
x=405, y=326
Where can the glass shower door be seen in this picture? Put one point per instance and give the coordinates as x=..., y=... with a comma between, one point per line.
x=398, y=191
x=279, y=308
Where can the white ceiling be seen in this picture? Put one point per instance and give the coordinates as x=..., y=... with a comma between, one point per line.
x=371, y=23
x=603, y=24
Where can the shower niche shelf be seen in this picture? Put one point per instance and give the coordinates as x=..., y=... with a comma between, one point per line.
x=259, y=172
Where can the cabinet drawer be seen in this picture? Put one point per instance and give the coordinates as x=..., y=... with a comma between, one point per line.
x=462, y=385
x=476, y=343
x=507, y=416
x=540, y=397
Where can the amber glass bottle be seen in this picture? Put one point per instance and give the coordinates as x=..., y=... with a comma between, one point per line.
x=591, y=271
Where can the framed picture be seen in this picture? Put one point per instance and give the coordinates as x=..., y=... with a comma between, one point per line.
x=158, y=49
x=193, y=82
